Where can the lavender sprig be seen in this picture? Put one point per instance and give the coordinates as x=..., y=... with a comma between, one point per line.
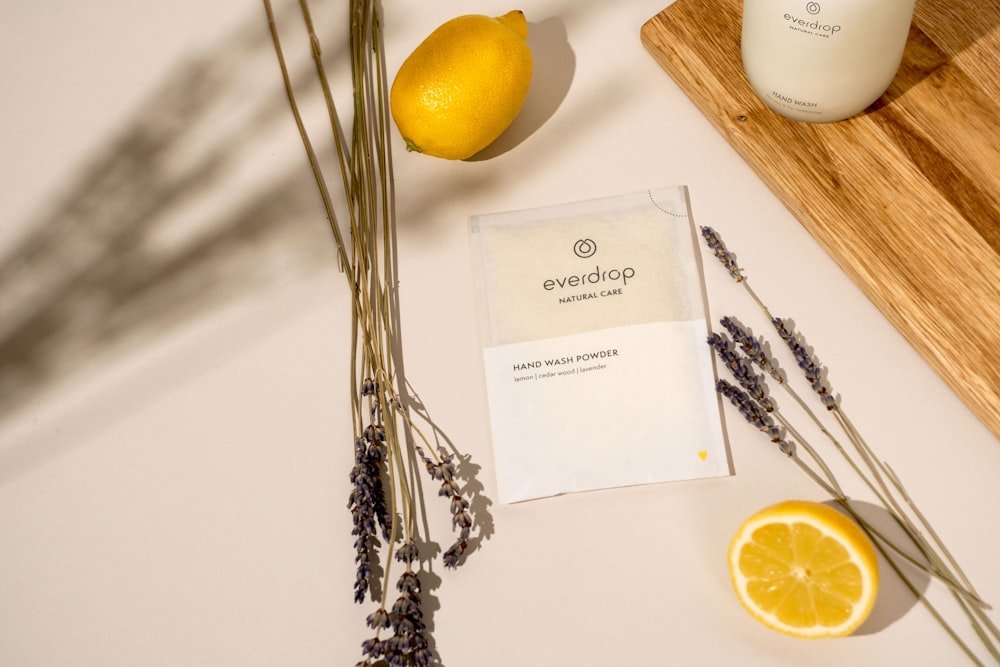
x=408, y=645
x=806, y=361
x=752, y=348
x=937, y=562
x=714, y=242
x=364, y=238
x=444, y=471
x=742, y=370
x=365, y=503
x=755, y=415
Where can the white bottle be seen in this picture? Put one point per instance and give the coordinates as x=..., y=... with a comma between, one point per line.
x=823, y=61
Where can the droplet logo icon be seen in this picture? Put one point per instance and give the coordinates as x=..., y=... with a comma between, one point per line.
x=584, y=248
x=813, y=8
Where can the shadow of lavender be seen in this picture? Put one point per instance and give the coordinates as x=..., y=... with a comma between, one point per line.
x=124, y=253
x=163, y=225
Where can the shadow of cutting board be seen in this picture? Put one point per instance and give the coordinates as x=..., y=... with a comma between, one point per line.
x=905, y=197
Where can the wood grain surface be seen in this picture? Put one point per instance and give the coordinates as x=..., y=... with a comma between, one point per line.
x=905, y=197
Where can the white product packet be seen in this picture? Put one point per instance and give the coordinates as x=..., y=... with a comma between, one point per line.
x=593, y=324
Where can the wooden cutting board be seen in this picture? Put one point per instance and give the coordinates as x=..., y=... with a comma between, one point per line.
x=905, y=197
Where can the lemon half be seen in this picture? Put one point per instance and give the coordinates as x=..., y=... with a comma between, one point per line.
x=804, y=569
x=463, y=85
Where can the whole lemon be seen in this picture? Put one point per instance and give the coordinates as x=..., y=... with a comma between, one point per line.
x=463, y=85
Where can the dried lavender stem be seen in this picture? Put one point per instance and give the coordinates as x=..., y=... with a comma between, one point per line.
x=342, y=151
x=845, y=455
x=837, y=445
x=868, y=456
x=906, y=497
x=877, y=536
x=368, y=313
x=882, y=543
x=780, y=418
x=931, y=608
x=815, y=477
x=307, y=143
x=980, y=619
x=898, y=485
x=897, y=515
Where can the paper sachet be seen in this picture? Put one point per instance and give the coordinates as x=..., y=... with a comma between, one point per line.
x=593, y=323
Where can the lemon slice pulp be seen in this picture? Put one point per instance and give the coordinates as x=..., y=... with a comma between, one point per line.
x=804, y=569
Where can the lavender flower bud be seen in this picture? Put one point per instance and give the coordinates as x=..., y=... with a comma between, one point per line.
x=714, y=242
x=807, y=362
x=454, y=552
x=449, y=488
x=459, y=505
x=408, y=645
x=373, y=647
x=741, y=369
x=422, y=657
x=461, y=518
x=408, y=583
x=751, y=347
x=378, y=619
x=407, y=553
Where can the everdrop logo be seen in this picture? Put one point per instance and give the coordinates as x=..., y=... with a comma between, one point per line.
x=812, y=26
x=584, y=248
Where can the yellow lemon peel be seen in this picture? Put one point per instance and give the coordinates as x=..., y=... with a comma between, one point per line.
x=463, y=85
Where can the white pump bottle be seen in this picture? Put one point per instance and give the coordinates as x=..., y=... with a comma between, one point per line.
x=823, y=61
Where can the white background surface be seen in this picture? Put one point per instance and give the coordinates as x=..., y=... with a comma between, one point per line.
x=174, y=442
